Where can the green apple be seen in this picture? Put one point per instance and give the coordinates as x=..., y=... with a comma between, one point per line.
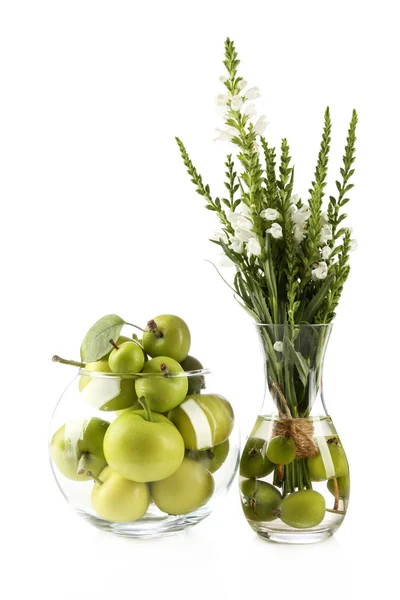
x=143, y=450
x=281, y=450
x=196, y=382
x=121, y=340
x=135, y=406
x=77, y=447
x=253, y=462
x=117, y=499
x=343, y=486
x=260, y=500
x=106, y=393
x=126, y=358
x=161, y=391
x=303, y=509
x=204, y=420
x=330, y=461
x=190, y=487
x=211, y=459
x=167, y=335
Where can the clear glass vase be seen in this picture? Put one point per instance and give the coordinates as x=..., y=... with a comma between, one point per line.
x=138, y=472
x=294, y=475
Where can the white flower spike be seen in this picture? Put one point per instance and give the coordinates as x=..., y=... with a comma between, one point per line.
x=278, y=346
x=253, y=93
x=320, y=271
x=301, y=215
x=275, y=230
x=254, y=247
x=269, y=214
x=243, y=235
x=236, y=245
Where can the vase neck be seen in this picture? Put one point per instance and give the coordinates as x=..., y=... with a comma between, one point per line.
x=293, y=359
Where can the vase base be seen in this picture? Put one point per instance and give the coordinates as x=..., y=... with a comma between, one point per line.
x=148, y=527
x=290, y=537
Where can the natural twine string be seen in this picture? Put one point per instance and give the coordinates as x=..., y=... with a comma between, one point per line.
x=300, y=430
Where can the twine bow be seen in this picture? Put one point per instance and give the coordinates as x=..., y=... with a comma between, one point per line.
x=300, y=430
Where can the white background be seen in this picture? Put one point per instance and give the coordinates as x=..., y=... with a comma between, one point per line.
x=98, y=216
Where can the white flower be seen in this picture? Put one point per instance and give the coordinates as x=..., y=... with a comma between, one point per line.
x=278, y=346
x=326, y=251
x=222, y=100
x=242, y=84
x=236, y=102
x=254, y=247
x=255, y=147
x=270, y=214
x=295, y=198
x=324, y=218
x=320, y=271
x=261, y=125
x=236, y=245
x=223, y=135
x=225, y=261
x=250, y=109
x=243, y=222
x=217, y=236
x=353, y=245
x=299, y=232
x=243, y=209
x=326, y=234
x=232, y=217
x=243, y=235
x=223, y=78
x=253, y=93
x=301, y=215
x=275, y=230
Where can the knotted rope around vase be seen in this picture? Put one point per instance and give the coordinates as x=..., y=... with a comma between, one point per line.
x=300, y=430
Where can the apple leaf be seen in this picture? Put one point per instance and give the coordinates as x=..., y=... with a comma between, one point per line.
x=97, y=340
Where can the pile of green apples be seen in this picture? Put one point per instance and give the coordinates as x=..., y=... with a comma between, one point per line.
x=167, y=438
x=303, y=508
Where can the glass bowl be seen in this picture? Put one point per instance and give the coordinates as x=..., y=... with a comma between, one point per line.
x=138, y=472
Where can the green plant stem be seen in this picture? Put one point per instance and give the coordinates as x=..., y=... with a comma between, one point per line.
x=64, y=361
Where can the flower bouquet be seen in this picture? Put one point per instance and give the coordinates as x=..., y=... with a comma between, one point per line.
x=291, y=260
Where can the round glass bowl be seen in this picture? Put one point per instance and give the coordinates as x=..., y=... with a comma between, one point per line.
x=140, y=472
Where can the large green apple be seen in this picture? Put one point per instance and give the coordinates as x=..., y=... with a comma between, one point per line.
x=190, y=487
x=330, y=462
x=167, y=335
x=204, y=420
x=106, y=393
x=143, y=450
x=161, y=391
x=77, y=447
x=117, y=499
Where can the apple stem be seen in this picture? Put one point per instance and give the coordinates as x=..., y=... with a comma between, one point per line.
x=143, y=402
x=113, y=344
x=82, y=463
x=336, y=489
x=136, y=327
x=64, y=361
x=96, y=479
x=152, y=327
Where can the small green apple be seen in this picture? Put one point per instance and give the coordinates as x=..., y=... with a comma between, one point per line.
x=303, y=509
x=167, y=335
x=260, y=500
x=190, y=487
x=330, y=462
x=204, y=420
x=253, y=462
x=196, y=382
x=143, y=450
x=106, y=393
x=281, y=450
x=77, y=447
x=126, y=358
x=161, y=391
x=343, y=486
x=117, y=499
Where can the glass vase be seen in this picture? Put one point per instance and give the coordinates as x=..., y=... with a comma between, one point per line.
x=138, y=472
x=294, y=474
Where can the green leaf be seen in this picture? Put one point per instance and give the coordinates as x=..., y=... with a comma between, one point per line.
x=298, y=360
x=97, y=340
x=315, y=303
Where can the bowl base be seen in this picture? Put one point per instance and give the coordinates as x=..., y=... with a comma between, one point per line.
x=148, y=527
